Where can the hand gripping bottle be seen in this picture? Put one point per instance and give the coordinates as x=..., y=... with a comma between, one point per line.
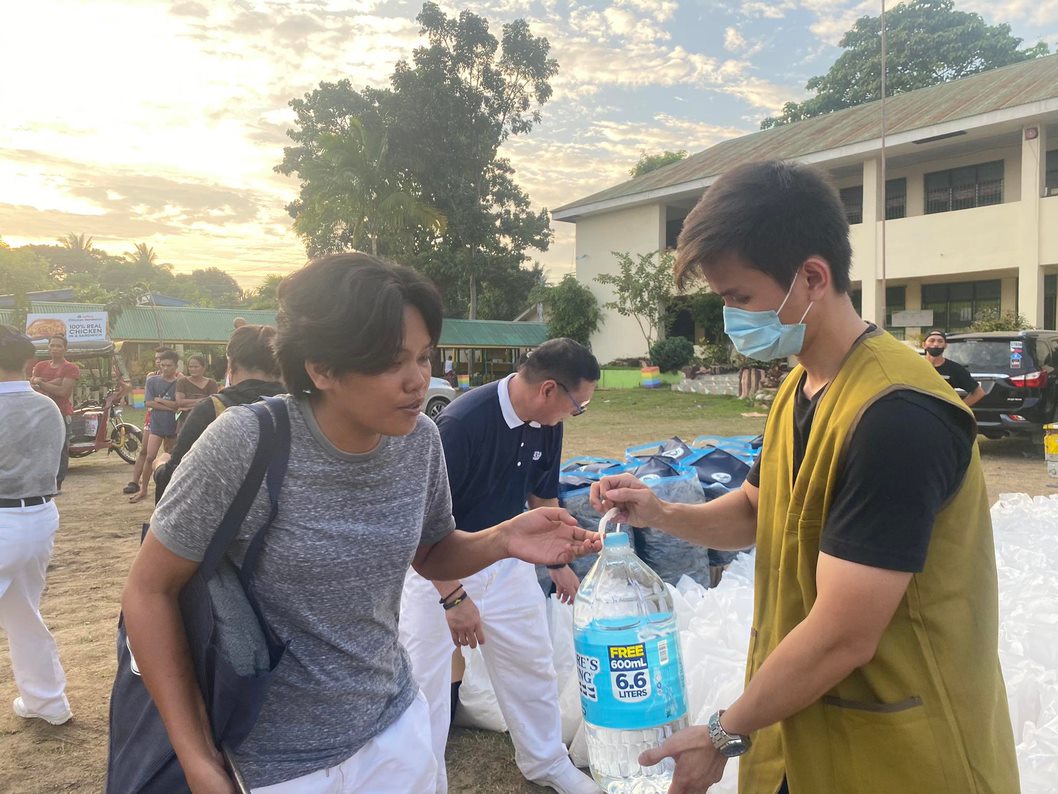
x=629, y=667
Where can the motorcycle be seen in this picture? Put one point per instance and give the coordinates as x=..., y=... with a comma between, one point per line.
x=94, y=428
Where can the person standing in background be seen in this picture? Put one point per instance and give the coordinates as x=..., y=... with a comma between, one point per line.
x=161, y=399
x=28, y=522
x=57, y=379
x=141, y=458
x=193, y=388
x=957, y=375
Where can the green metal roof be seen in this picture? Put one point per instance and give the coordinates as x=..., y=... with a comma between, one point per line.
x=187, y=324
x=1008, y=87
x=492, y=333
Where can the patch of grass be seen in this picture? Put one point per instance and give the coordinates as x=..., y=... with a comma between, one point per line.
x=618, y=418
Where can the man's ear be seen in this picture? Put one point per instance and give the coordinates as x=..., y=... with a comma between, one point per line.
x=817, y=273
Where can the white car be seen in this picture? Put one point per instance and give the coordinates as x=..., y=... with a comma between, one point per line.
x=438, y=396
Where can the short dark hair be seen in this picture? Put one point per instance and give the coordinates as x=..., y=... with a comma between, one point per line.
x=61, y=338
x=168, y=355
x=163, y=349
x=252, y=347
x=196, y=357
x=772, y=214
x=15, y=349
x=562, y=360
x=345, y=313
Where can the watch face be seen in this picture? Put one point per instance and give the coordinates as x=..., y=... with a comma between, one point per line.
x=734, y=748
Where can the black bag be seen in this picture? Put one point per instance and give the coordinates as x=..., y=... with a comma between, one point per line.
x=141, y=759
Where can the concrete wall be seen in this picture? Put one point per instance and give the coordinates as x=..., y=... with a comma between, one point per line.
x=636, y=230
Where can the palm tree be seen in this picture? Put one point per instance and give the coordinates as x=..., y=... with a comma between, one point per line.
x=77, y=242
x=142, y=257
x=352, y=187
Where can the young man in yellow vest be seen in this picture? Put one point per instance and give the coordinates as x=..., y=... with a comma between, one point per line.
x=873, y=663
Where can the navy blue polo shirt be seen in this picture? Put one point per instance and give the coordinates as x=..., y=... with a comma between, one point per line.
x=494, y=459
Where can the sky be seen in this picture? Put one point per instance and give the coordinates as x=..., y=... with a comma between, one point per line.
x=161, y=121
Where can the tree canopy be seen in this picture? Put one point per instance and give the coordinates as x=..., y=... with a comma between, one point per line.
x=443, y=119
x=572, y=308
x=652, y=162
x=928, y=42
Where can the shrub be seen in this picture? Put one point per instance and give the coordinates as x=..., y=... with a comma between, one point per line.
x=670, y=355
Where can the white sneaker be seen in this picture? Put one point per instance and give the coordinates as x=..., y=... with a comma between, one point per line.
x=570, y=780
x=25, y=713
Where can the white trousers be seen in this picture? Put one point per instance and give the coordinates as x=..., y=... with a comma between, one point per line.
x=26, y=536
x=397, y=761
x=517, y=654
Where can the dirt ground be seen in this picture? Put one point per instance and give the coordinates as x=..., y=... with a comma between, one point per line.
x=99, y=536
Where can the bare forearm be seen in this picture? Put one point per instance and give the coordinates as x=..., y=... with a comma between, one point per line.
x=808, y=663
x=159, y=643
x=461, y=554
x=975, y=397
x=729, y=522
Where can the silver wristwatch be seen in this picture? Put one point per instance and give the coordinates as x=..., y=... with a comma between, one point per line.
x=727, y=744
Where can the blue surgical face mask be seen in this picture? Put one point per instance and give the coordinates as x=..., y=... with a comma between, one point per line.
x=762, y=335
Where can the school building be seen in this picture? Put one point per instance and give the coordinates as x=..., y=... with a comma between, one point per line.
x=967, y=212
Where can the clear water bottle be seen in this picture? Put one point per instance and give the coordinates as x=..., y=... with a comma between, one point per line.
x=629, y=667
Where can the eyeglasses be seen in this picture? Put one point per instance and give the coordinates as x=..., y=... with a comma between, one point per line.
x=578, y=408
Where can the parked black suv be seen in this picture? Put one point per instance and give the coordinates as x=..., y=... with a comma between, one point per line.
x=1017, y=371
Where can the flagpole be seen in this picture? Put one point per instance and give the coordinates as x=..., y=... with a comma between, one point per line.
x=883, y=169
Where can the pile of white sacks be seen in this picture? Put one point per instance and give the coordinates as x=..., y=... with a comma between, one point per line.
x=714, y=633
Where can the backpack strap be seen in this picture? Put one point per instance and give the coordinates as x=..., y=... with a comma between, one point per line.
x=277, y=471
x=244, y=497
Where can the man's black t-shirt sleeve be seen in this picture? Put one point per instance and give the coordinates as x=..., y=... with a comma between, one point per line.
x=958, y=376
x=906, y=459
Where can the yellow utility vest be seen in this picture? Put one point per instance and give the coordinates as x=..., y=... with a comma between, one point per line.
x=929, y=712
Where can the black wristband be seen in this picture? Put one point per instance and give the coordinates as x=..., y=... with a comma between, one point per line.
x=558, y=567
x=441, y=601
x=455, y=603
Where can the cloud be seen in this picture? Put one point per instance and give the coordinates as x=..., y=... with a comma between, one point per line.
x=189, y=8
x=733, y=40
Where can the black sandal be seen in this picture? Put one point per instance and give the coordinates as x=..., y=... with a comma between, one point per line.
x=131, y=488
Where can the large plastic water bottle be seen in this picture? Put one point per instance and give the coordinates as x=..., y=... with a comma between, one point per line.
x=629, y=667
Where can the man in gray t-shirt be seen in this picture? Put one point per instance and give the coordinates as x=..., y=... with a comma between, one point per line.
x=329, y=581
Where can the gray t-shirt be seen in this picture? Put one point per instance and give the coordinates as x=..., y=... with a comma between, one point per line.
x=329, y=579
x=32, y=435
x=163, y=422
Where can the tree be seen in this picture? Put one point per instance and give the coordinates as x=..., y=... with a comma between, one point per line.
x=995, y=320
x=572, y=309
x=78, y=243
x=643, y=287
x=465, y=93
x=929, y=42
x=443, y=121
x=21, y=271
x=265, y=295
x=351, y=195
x=707, y=309
x=652, y=162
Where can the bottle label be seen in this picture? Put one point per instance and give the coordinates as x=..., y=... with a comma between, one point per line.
x=628, y=683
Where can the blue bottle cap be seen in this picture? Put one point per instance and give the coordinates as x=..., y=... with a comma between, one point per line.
x=615, y=539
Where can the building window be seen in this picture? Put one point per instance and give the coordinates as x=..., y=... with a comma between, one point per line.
x=895, y=199
x=1051, y=178
x=672, y=232
x=852, y=200
x=964, y=188
x=956, y=306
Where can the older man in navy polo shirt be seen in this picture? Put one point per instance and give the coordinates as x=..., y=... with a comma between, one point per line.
x=503, y=448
